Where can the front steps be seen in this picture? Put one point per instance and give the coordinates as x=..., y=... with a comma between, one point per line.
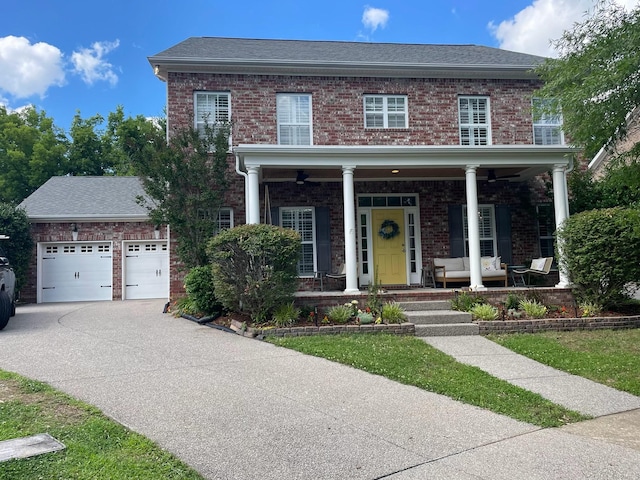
x=435, y=318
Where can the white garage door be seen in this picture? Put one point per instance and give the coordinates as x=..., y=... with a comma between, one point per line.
x=75, y=272
x=146, y=270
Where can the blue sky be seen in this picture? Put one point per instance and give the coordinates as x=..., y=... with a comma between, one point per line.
x=65, y=56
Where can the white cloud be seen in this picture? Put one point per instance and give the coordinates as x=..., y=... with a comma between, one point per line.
x=532, y=29
x=26, y=69
x=373, y=18
x=91, y=64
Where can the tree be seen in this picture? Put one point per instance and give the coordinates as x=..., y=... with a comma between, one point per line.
x=596, y=79
x=32, y=149
x=185, y=178
x=19, y=247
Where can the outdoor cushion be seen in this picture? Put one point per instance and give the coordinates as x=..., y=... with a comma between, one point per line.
x=450, y=264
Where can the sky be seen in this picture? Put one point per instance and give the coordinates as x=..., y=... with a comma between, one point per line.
x=79, y=56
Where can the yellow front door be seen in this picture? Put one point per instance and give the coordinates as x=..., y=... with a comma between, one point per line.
x=389, y=250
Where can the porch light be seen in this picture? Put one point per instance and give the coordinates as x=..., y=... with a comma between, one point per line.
x=395, y=171
x=156, y=232
x=491, y=176
x=74, y=231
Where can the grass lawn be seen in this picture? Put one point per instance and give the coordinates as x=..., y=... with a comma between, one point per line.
x=411, y=361
x=610, y=357
x=96, y=447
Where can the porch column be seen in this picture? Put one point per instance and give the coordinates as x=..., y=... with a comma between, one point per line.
x=475, y=265
x=561, y=209
x=253, y=199
x=350, y=257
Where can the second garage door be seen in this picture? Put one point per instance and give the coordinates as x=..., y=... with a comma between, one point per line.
x=146, y=270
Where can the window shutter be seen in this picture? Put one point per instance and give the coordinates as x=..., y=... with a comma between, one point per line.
x=275, y=216
x=503, y=231
x=323, y=239
x=456, y=231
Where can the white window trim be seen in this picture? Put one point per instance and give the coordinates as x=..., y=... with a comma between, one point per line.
x=312, y=242
x=493, y=237
x=228, y=210
x=310, y=124
x=542, y=122
x=472, y=126
x=385, y=111
x=198, y=123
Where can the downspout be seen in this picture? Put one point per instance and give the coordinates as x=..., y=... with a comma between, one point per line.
x=246, y=189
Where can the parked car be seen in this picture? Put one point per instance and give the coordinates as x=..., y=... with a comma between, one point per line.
x=7, y=290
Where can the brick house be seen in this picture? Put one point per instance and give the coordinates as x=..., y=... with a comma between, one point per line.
x=376, y=152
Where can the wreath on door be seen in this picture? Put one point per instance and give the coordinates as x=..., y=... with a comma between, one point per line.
x=389, y=229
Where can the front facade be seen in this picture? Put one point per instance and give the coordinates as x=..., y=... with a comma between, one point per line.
x=375, y=153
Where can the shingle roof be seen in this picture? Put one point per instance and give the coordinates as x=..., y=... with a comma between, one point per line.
x=245, y=51
x=76, y=198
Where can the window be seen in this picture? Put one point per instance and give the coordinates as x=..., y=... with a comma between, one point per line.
x=302, y=220
x=546, y=229
x=547, y=127
x=294, y=119
x=385, y=111
x=475, y=121
x=487, y=226
x=224, y=217
x=211, y=108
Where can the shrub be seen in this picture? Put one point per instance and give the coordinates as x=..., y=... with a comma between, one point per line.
x=19, y=247
x=198, y=284
x=533, y=309
x=599, y=250
x=340, y=313
x=484, y=311
x=464, y=302
x=393, y=312
x=590, y=309
x=255, y=268
x=286, y=315
x=512, y=302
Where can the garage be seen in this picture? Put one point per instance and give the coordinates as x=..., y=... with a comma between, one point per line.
x=146, y=267
x=75, y=272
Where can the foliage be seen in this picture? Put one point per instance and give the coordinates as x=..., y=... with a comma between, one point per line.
x=286, y=315
x=198, y=284
x=411, y=361
x=32, y=149
x=392, y=312
x=186, y=180
x=596, y=79
x=533, y=309
x=464, y=301
x=19, y=247
x=255, y=268
x=599, y=249
x=590, y=309
x=340, y=313
x=512, y=302
x=484, y=311
x=374, y=300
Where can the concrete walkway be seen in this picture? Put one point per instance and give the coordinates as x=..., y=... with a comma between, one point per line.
x=236, y=408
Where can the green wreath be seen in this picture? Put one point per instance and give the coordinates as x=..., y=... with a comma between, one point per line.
x=389, y=229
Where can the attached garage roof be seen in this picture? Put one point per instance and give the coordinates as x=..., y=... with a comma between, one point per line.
x=86, y=199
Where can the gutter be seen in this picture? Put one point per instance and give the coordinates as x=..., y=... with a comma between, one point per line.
x=246, y=189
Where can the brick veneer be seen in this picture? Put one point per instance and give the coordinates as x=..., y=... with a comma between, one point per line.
x=558, y=324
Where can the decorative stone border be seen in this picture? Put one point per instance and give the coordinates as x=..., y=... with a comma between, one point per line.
x=395, y=328
x=558, y=324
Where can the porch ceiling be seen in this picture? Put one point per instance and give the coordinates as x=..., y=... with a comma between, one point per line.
x=324, y=163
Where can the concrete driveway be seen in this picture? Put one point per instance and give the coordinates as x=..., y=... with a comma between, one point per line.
x=235, y=408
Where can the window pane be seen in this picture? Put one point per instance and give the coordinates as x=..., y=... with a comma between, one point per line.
x=294, y=119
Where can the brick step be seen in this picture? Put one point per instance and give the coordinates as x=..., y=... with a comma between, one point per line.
x=437, y=317
x=453, y=329
x=424, y=305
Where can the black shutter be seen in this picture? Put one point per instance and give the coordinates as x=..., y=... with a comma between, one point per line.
x=323, y=239
x=275, y=216
x=456, y=231
x=503, y=231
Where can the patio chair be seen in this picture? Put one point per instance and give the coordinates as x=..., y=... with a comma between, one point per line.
x=341, y=275
x=539, y=266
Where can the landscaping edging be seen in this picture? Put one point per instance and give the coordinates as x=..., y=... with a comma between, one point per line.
x=558, y=324
x=396, y=329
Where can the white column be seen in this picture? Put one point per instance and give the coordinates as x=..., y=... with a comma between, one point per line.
x=473, y=223
x=350, y=257
x=561, y=208
x=253, y=199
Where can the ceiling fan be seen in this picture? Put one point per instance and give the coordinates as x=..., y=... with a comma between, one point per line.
x=492, y=177
x=301, y=179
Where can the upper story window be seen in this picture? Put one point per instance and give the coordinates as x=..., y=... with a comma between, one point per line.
x=475, y=121
x=294, y=119
x=211, y=108
x=547, y=127
x=385, y=111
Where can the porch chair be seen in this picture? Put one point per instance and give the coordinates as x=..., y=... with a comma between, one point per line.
x=341, y=275
x=539, y=266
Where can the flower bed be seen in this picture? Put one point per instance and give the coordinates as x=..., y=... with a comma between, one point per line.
x=243, y=329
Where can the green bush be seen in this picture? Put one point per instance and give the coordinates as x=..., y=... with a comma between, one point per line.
x=255, y=268
x=393, y=312
x=286, y=315
x=19, y=247
x=464, y=302
x=340, y=313
x=533, y=309
x=599, y=250
x=198, y=284
x=484, y=311
x=512, y=302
